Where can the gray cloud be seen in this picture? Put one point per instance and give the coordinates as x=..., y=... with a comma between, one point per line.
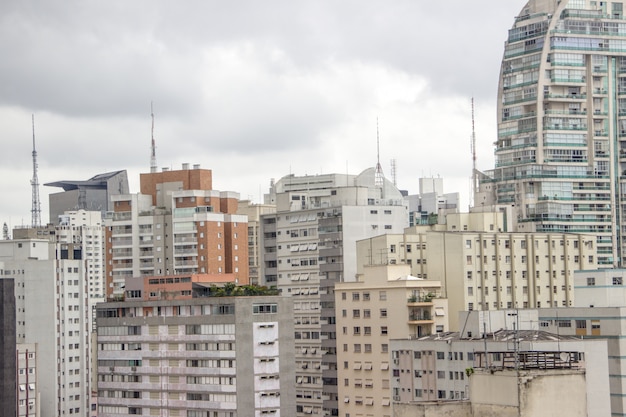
x=251, y=90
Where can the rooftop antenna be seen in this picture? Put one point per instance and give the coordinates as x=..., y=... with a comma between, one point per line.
x=394, y=172
x=474, y=171
x=378, y=175
x=36, y=204
x=153, y=162
x=5, y=232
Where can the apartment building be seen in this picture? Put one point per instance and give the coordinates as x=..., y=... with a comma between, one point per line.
x=209, y=356
x=385, y=303
x=309, y=244
x=53, y=312
x=254, y=213
x=561, y=150
x=440, y=368
x=483, y=269
x=177, y=225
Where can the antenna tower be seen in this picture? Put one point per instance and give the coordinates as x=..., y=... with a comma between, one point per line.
x=474, y=171
x=153, y=162
x=378, y=175
x=394, y=172
x=36, y=204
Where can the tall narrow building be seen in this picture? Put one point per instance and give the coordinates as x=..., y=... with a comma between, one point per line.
x=561, y=147
x=309, y=244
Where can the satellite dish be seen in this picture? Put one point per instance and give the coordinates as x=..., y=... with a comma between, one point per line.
x=564, y=357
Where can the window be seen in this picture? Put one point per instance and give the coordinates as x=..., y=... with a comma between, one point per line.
x=356, y=314
x=383, y=330
x=355, y=296
x=382, y=296
x=617, y=280
x=383, y=312
x=591, y=282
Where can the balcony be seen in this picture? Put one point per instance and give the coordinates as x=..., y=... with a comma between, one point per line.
x=421, y=300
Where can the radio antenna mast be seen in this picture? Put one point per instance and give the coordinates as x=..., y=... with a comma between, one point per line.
x=36, y=204
x=153, y=162
x=378, y=175
x=474, y=171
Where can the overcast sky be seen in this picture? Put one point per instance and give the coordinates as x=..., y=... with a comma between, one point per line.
x=252, y=90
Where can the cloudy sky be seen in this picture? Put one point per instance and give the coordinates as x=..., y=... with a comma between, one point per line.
x=252, y=90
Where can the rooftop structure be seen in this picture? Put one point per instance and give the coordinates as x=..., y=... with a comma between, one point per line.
x=93, y=194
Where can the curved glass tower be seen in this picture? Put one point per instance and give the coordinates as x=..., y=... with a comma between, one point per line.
x=561, y=148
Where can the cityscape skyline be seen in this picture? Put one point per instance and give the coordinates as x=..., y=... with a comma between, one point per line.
x=327, y=89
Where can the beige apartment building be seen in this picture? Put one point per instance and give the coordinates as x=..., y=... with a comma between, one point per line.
x=385, y=303
x=481, y=268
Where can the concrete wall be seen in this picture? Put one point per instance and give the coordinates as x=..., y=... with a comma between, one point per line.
x=537, y=394
x=444, y=409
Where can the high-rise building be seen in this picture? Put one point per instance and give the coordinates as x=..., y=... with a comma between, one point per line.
x=177, y=225
x=309, y=244
x=53, y=312
x=207, y=356
x=561, y=146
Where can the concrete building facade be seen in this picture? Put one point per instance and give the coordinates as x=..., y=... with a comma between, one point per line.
x=215, y=356
x=28, y=401
x=483, y=269
x=255, y=239
x=385, y=303
x=308, y=246
x=53, y=312
x=444, y=367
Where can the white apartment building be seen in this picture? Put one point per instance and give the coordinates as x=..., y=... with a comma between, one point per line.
x=442, y=367
x=201, y=357
x=561, y=149
x=52, y=311
x=481, y=268
x=309, y=244
x=385, y=303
